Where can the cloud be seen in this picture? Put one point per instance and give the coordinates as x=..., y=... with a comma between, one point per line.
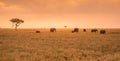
x=72, y=11
x=6, y=6
x=60, y=7
x=65, y=5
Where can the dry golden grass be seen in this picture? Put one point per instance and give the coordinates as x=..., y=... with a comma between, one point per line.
x=26, y=45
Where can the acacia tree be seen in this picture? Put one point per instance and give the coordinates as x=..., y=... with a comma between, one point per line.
x=16, y=22
x=65, y=26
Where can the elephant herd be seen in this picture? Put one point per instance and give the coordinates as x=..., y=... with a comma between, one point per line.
x=77, y=30
x=92, y=30
x=101, y=31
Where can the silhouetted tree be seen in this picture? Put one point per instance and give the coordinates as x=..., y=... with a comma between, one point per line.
x=16, y=22
x=65, y=26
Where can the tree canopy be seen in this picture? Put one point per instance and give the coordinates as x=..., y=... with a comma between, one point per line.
x=16, y=22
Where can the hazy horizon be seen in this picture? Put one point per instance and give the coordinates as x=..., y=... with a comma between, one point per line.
x=58, y=28
x=58, y=13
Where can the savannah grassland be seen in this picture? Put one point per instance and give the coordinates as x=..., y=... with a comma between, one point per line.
x=26, y=45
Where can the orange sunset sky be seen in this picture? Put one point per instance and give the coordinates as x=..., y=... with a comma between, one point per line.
x=58, y=13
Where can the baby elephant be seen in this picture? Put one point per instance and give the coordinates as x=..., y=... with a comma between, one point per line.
x=37, y=31
x=84, y=30
x=102, y=31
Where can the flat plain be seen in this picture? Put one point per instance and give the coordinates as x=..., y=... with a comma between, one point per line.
x=63, y=45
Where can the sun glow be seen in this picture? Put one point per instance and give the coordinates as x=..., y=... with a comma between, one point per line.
x=58, y=13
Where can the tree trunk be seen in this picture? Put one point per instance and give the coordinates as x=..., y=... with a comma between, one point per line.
x=15, y=27
x=12, y=25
